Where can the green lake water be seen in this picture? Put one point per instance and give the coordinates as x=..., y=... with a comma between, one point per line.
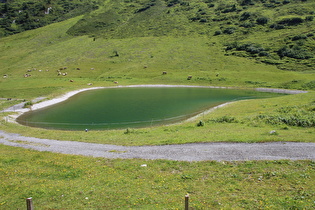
x=118, y=108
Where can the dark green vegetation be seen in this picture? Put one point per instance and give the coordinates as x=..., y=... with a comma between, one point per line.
x=20, y=15
x=301, y=116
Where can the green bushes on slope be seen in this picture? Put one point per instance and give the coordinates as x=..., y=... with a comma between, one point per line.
x=20, y=15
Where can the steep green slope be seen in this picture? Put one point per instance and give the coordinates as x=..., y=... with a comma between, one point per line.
x=134, y=42
x=245, y=43
x=20, y=15
x=273, y=32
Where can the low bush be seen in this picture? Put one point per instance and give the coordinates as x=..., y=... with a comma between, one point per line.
x=216, y=33
x=298, y=37
x=290, y=120
x=229, y=30
x=200, y=123
x=296, y=52
x=248, y=47
x=310, y=85
x=245, y=16
x=247, y=24
x=309, y=18
x=28, y=104
x=146, y=7
x=277, y=26
x=299, y=116
x=291, y=21
x=262, y=20
x=224, y=119
x=247, y=2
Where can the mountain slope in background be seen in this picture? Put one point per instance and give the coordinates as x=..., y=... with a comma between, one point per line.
x=21, y=15
x=257, y=43
x=275, y=32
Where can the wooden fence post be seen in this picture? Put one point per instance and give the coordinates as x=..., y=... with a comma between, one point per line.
x=187, y=202
x=29, y=204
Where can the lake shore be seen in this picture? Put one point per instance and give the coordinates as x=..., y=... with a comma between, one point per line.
x=43, y=104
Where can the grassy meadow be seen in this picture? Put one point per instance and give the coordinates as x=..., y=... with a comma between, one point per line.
x=56, y=181
x=182, y=40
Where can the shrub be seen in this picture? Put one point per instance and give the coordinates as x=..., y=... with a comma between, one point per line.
x=229, y=30
x=291, y=21
x=231, y=45
x=286, y=2
x=300, y=116
x=230, y=9
x=146, y=7
x=203, y=20
x=248, y=47
x=200, y=123
x=263, y=53
x=28, y=104
x=195, y=18
x=262, y=20
x=172, y=2
x=245, y=16
x=251, y=48
x=247, y=2
x=310, y=85
x=298, y=37
x=247, y=25
x=129, y=131
x=269, y=5
x=296, y=52
x=216, y=33
x=224, y=119
x=291, y=120
x=277, y=26
x=254, y=49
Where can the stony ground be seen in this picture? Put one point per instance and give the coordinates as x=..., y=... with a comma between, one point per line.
x=184, y=152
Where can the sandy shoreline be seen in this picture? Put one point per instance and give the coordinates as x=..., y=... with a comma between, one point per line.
x=43, y=104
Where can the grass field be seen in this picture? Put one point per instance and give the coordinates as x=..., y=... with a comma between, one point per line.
x=139, y=54
x=58, y=181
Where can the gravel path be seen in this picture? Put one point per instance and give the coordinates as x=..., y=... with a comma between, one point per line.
x=184, y=152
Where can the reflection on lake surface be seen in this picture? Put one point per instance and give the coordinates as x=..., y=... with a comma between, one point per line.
x=116, y=108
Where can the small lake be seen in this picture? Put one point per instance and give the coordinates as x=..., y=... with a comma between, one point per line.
x=132, y=107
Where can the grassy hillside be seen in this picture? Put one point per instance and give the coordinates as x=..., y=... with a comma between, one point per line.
x=133, y=42
x=20, y=15
x=236, y=43
x=272, y=32
x=218, y=43
x=58, y=181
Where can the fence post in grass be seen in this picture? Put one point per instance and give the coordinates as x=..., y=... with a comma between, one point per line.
x=187, y=202
x=29, y=204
